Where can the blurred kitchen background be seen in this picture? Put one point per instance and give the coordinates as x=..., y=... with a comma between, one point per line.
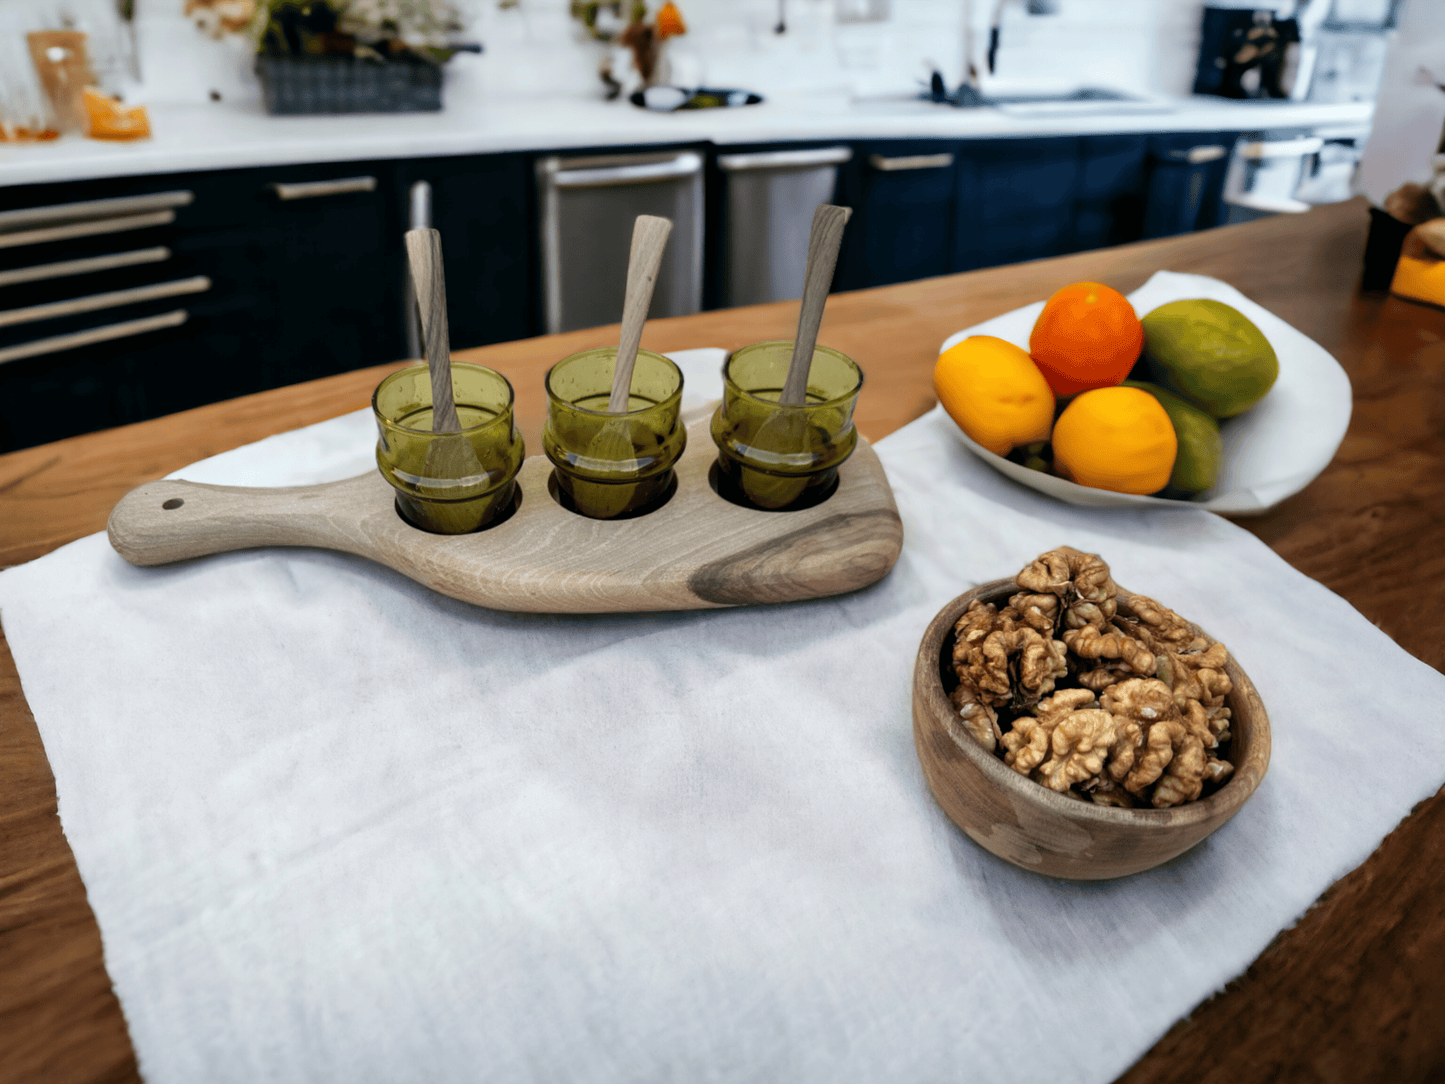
x=199, y=201
x=537, y=48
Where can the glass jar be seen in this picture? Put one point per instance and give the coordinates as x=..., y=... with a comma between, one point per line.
x=449, y=483
x=613, y=465
x=779, y=457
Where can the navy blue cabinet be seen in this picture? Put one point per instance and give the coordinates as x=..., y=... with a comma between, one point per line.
x=903, y=194
x=303, y=260
x=485, y=207
x=48, y=391
x=217, y=284
x=1186, y=182
x=1026, y=199
x=930, y=207
x=1015, y=201
x=131, y=298
x=1112, y=192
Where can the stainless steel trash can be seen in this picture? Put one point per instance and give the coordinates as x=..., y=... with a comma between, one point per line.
x=767, y=213
x=588, y=206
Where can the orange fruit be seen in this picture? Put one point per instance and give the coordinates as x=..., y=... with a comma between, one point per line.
x=109, y=119
x=1088, y=336
x=995, y=393
x=1116, y=438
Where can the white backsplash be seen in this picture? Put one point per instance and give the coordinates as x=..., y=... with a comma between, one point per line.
x=536, y=49
x=179, y=63
x=1145, y=45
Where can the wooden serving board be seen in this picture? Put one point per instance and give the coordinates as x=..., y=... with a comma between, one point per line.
x=698, y=551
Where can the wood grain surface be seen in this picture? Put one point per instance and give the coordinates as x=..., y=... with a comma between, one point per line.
x=824, y=241
x=428, y=277
x=1353, y=993
x=644, y=260
x=698, y=551
x=1026, y=823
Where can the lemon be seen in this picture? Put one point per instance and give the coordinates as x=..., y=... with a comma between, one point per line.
x=1201, y=451
x=1116, y=438
x=995, y=393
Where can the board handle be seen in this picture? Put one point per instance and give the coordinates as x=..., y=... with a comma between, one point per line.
x=171, y=520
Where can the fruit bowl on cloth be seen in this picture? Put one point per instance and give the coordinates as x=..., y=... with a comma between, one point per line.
x=1270, y=452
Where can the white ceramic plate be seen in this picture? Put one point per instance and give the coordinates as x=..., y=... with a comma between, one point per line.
x=1271, y=451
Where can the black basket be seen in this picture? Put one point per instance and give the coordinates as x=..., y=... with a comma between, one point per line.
x=343, y=84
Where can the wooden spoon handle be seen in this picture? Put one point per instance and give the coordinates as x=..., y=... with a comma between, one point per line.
x=823, y=244
x=649, y=238
x=424, y=253
x=171, y=520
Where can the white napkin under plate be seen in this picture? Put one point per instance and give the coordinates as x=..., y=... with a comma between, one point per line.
x=337, y=827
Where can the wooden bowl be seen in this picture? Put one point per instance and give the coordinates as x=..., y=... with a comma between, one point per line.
x=1037, y=829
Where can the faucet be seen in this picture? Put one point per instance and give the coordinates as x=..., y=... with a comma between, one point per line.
x=968, y=91
x=1033, y=7
x=1309, y=16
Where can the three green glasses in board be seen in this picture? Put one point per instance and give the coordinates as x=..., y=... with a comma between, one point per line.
x=611, y=466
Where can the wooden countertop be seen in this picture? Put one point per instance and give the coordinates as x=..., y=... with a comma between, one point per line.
x=1354, y=992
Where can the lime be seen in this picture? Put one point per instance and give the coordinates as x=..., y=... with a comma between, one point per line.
x=1200, y=449
x=1210, y=354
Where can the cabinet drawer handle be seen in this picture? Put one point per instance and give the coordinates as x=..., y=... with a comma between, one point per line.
x=86, y=229
x=97, y=208
x=66, y=268
x=798, y=159
x=311, y=189
x=1197, y=156
x=910, y=161
x=684, y=165
x=113, y=299
x=1284, y=148
x=1270, y=205
x=93, y=335
x=419, y=212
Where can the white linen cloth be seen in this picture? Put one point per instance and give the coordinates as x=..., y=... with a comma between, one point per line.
x=337, y=827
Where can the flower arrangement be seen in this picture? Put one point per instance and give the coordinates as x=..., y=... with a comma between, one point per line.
x=644, y=38
x=354, y=56
x=365, y=29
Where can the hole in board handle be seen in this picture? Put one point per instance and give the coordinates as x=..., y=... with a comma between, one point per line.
x=172, y=504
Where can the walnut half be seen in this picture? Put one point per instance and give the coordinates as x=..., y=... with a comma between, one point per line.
x=1117, y=702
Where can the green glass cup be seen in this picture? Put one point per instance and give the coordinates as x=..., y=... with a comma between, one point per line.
x=779, y=457
x=449, y=483
x=613, y=465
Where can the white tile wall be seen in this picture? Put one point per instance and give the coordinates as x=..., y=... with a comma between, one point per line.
x=536, y=48
x=1147, y=45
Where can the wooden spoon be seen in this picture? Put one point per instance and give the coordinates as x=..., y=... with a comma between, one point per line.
x=446, y=457
x=613, y=441
x=823, y=244
x=785, y=430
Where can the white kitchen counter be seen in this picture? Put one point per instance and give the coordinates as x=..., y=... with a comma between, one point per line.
x=234, y=134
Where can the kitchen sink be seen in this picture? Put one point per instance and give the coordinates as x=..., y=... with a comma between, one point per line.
x=1078, y=101
x=1083, y=100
